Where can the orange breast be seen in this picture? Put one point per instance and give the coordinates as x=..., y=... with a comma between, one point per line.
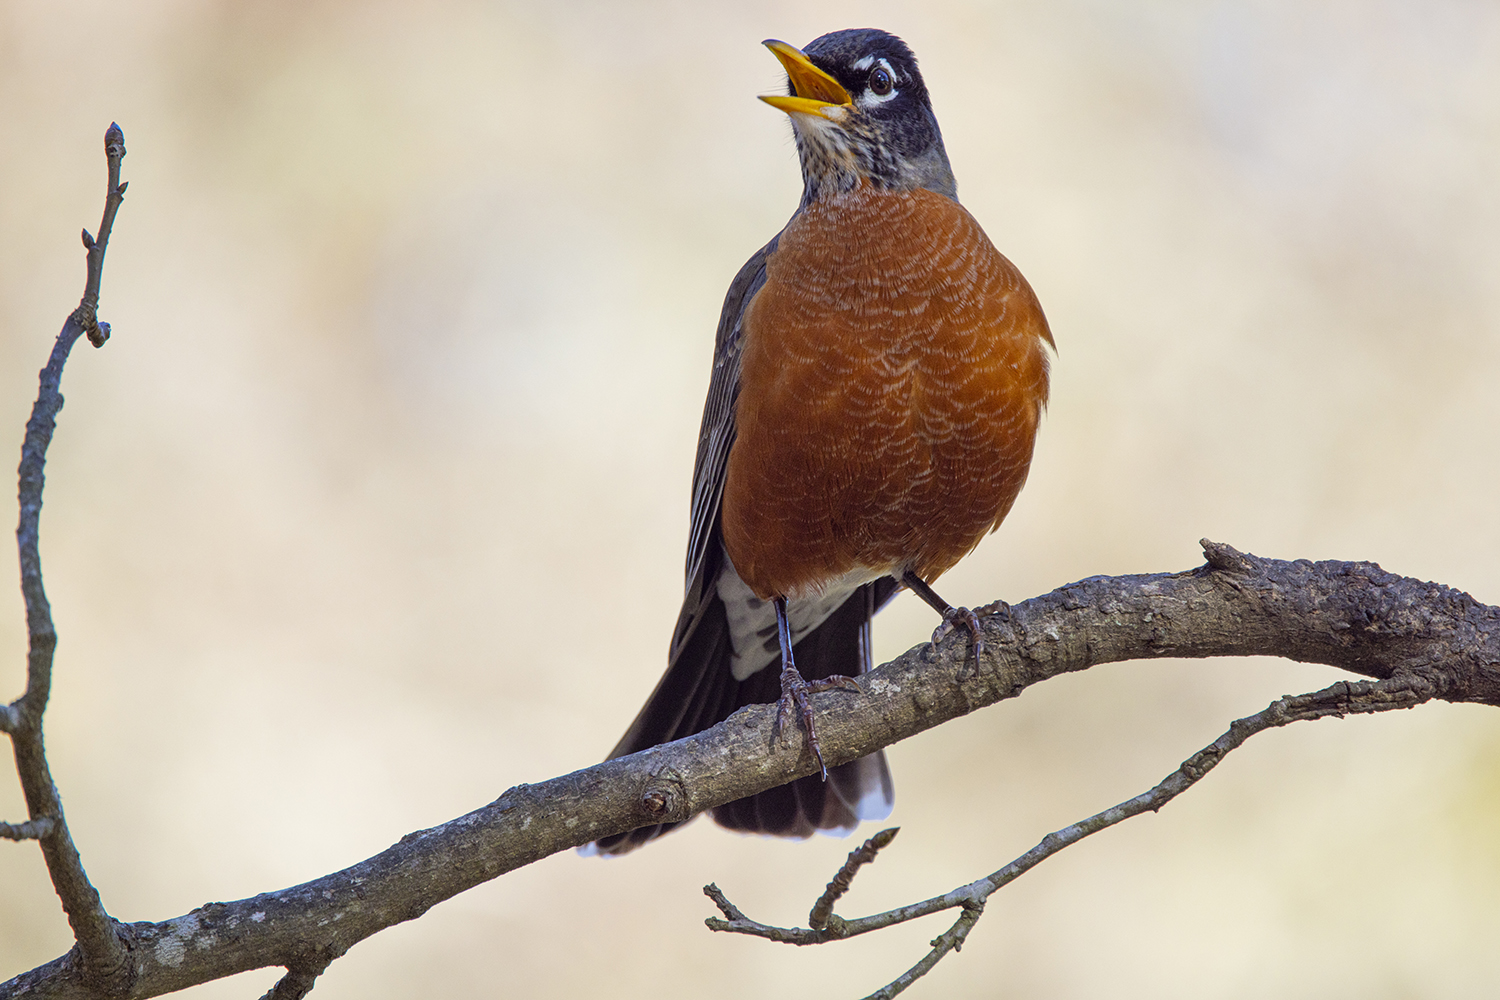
x=892, y=379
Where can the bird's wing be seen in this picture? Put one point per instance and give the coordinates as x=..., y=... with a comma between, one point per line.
x=716, y=434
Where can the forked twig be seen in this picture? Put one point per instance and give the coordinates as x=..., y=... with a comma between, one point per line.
x=950, y=940
x=1404, y=690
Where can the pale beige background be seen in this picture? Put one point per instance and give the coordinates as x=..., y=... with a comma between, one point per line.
x=375, y=505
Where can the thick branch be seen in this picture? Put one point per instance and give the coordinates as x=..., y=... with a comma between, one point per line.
x=102, y=952
x=1349, y=615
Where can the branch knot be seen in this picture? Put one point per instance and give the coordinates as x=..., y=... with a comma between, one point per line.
x=664, y=799
x=1226, y=558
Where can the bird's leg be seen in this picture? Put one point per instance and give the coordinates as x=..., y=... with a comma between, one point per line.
x=794, y=689
x=951, y=616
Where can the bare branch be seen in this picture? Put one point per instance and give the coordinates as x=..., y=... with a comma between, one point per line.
x=727, y=908
x=1340, y=699
x=299, y=980
x=32, y=829
x=1354, y=616
x=823, y=909
x=102, y=954
x=950, y=940
x=86, y=315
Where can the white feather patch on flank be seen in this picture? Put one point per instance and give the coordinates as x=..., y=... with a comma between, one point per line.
x=752, y=621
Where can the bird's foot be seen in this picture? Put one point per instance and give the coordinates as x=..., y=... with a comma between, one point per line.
x=993, y=608
x=794, y=692
x=954, y=617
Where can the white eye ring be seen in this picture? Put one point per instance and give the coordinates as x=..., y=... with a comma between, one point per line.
x=870, y=97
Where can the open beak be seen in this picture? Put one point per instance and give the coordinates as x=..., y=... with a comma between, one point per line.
x=817, y=92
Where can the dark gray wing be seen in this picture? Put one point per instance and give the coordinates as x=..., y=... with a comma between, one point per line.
x=716, y=434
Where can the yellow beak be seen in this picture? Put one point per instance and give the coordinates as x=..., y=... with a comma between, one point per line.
x=816, y=90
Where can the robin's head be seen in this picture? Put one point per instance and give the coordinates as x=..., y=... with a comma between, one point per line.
x=860, y=113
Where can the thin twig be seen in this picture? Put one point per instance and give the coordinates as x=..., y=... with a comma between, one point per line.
x=103, y=955
x=1405, y=690
x=727, y=908
x=950, y=940
x=858, y=858
x=735, y=919
x=88, y=308
x=32, y=829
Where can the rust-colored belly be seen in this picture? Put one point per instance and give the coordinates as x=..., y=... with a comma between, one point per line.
x=892, y=379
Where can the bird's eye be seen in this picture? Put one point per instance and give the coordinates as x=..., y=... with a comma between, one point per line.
x=880, y=82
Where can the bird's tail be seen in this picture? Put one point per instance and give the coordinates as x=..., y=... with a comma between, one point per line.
x=698, y=691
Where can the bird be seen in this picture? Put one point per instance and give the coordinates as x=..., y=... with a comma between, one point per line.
x=879, y=374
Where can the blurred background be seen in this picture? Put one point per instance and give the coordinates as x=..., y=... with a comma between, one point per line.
x=376, y=503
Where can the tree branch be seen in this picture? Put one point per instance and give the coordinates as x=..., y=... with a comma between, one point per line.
x=1354, y=616
x=299, y=979
x=87, y=313
x=102, y=957
x=950, y=940
x=1402, y=690
x=822, y=910
x=32, y=829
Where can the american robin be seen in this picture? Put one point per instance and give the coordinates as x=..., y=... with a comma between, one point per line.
x=879, y=374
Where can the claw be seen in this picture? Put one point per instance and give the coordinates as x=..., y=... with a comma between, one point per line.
x=794, y=692
x=954, y=617
x=794, y=689
x=993, y=608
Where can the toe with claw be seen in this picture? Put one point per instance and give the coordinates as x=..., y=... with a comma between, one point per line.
x=794, y=692
x=794, y=689
x=954, y=617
